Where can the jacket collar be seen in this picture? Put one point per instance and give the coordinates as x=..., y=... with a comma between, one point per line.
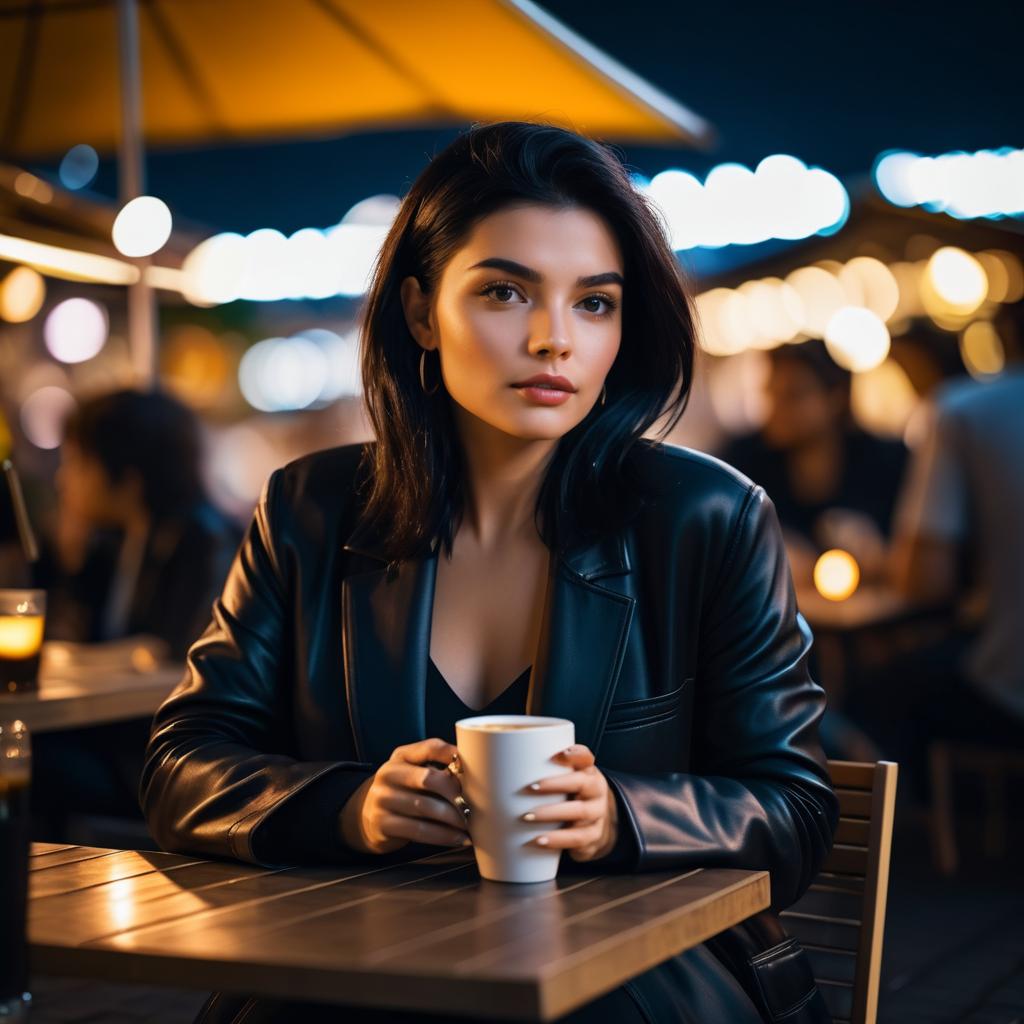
x=386, y=618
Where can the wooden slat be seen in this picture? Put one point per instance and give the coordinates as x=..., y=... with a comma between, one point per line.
x=835, y=933
x=838, y=998
x=854, y=803
x=852, y=774
x=847, y=860
x=428, y=935
x=41, y=849
x=830, y=903
x=876, y=886
x=832, y=964
x=67, y=855
x=853, y=831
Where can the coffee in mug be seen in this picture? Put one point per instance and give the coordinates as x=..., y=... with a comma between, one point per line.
x=501, y=755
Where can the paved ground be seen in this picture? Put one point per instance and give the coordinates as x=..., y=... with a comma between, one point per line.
x=954, y=949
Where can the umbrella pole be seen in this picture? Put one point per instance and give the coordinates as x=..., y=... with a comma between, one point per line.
x=142, y=311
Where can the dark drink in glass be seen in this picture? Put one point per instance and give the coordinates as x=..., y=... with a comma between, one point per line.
x=22, y=617
x=15, y=776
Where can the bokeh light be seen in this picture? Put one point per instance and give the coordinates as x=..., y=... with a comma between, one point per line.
x=142, y=226
x=283, y=373
x=195, y=365
x=43, y=413
x=22, y=293
x=883, y=399
x=76, y=330
x=857, y=339
x=982, y=349
x=953, y=285
x=836, y=575
x=78, y=167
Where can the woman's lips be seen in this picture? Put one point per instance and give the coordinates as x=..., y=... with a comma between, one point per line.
x=543, y=395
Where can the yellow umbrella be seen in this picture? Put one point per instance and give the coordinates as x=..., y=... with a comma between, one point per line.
x=215, y=70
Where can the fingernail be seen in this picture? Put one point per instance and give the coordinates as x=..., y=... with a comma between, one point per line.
x=568, y=750
x=542, y=840
x=467, y=841
x=534, y=785
x=529, y=816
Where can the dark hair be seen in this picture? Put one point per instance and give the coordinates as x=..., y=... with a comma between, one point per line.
x=149, y=433
x=416, y=466
x=815, y=357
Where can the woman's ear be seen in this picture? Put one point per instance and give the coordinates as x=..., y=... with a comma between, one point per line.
x=416, y=306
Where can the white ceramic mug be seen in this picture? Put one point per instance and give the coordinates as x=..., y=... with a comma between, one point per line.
x=497, y=770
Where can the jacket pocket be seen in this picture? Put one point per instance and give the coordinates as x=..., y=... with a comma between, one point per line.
x=783, y=979
x=630, y=714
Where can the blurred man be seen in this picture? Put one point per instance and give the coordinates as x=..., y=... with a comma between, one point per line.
x=833, y=484
x=960, y=532
x=138, y=549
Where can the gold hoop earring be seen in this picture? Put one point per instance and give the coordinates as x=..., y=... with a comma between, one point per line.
x=423, y=381
x=604, y=393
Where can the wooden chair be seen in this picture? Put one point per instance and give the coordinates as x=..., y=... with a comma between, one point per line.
x=840, y=920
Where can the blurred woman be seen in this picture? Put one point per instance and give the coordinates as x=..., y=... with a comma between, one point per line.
x=526, y=325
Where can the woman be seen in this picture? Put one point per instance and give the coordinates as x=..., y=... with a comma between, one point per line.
x=644, y=587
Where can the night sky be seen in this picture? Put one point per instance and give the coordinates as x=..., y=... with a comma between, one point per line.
x=831, y=83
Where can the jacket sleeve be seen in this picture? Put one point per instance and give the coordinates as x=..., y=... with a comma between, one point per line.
x=220, y=778
x=758, y=794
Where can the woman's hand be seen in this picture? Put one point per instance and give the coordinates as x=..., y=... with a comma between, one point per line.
x=591, y=810
x=405, y=801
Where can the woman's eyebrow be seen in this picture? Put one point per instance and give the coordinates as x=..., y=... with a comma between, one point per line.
x=512, y=267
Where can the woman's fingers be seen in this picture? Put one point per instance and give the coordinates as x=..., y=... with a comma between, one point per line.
x=567, y=810
x=433, y=749
x=571, y=838
x=423, y=805
x=586, y=783
x=421, y=830
x=420, y=779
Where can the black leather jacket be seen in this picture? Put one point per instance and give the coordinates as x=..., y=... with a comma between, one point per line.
x=675, y=647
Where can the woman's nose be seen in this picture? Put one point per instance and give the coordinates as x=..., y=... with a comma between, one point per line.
x=549, y=332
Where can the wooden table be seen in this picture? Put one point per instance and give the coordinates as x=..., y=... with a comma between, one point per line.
x=81, y=689
x=429, y=934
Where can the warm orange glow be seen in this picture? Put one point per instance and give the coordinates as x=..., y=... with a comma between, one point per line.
x=836, y=575
x=21, y=636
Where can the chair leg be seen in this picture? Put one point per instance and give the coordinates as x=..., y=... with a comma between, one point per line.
x=944, y=849
x=995, y=824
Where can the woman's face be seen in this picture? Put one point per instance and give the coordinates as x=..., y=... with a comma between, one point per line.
x=534, y=290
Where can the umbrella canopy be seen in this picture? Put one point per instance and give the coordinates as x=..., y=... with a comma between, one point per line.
x=244, y=69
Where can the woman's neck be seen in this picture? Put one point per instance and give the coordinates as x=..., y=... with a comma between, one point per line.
x=504, y=475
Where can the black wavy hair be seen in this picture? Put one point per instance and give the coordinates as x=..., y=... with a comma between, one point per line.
x=415, y=470
x=149, y=433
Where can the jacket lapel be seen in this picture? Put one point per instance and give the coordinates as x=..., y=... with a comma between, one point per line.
x=386, y=617
x=583, y=638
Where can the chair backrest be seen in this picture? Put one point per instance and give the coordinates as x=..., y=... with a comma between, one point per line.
x=840, y=920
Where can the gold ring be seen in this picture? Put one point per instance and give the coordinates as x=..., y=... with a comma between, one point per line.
x=454, y=765
x=460, y=802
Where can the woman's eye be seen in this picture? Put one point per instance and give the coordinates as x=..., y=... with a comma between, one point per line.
x=609, y=304
x=495, y=289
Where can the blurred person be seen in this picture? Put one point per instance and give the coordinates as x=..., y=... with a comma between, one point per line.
x=833, y=484
x=386, y=589
x=138, y=546
x=960, y=541
x=139, y=549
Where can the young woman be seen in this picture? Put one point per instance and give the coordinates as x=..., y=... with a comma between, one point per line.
x=510, y=542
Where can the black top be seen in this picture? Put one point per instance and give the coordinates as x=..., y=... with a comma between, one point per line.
x=445, y=708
